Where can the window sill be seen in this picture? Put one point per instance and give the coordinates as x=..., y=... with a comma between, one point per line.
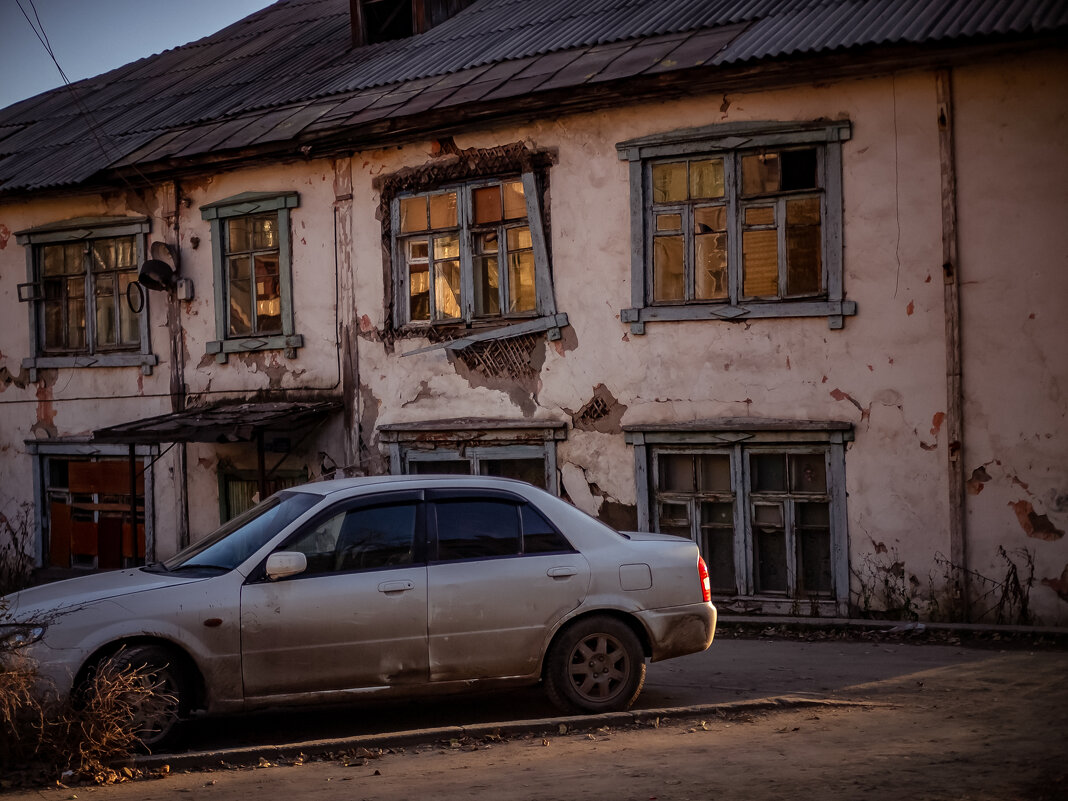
x=221, y=348
x=146, y=361
x=551, y=323
x=833, y=310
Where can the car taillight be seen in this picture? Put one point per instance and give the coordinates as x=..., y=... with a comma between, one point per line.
x=706, y=587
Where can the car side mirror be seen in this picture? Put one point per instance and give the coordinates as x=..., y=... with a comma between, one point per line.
x=285, y=563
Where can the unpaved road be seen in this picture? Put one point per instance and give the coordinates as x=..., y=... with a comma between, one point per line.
x=991, y=728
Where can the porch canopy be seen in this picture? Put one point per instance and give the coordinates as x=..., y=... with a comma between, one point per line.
x=226, y=421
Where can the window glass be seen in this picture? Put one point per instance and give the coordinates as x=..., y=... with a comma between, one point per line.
x=467, y=253
x=476, y=529
x=83, y=287
x=253, y=285
x=382, y=536
x=455, y=467
x=538, y=534
x=530, y=470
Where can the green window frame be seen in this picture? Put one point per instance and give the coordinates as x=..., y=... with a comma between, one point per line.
x=735, y=222
x=765, y=504
x=251, y=251
x=80, y=285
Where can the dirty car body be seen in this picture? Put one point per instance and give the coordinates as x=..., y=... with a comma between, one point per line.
x=384, y=586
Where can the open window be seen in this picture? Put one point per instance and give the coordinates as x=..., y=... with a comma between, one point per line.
x=469, y=249
x=736, y=222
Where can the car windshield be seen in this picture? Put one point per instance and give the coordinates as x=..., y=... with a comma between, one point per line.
x=237, y=540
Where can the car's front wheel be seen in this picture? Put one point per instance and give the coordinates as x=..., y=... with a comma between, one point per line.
x=595, y=665
x=147, y=683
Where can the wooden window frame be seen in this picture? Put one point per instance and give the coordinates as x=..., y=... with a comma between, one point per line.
x=82, y=229
x=243, y=205
x=731, y=142
x=651, y=442
x=542, y=318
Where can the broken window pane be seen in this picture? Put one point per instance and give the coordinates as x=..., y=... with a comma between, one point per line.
x=710, y=266
x=521, y=294
x=515, y=202
x=706, y=178
x=808, y=473
x=814, y=562
x=443, y=210
x=669, y=182
x=487, y=202
x=413, y=214
x=760, y=263
x=106, y=323
x=799, y=169
x=240, y=306
x=676, y=473
x=768, y=472
x=760, y=174
x=487, y=285
x=128, y=319
x=668, y=268
x=768, y=514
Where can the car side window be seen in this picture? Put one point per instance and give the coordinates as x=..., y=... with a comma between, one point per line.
x=477, y=529
x=539, y=536
x=359, y=539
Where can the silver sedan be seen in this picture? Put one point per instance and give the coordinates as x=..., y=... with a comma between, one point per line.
x=381, y=586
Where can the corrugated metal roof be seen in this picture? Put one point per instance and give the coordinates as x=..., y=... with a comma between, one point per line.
x=257, y=75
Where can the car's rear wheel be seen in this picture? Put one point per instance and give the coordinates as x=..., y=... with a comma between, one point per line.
x=155, y=690
x=595, y=665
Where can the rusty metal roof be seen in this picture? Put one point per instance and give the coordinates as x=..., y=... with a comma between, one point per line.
x=220, y=422
x=288, y=73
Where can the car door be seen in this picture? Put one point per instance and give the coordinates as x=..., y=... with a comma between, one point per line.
x=355, y=618
x=500, y=580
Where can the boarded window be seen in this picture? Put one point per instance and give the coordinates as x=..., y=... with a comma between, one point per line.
x=89, y=516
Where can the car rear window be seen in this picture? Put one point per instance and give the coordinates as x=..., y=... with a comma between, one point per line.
x=538, y=534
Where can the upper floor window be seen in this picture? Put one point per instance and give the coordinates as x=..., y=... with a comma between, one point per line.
x=737, y=221
x=471, y=252
x=251, y=253
x=85, y=309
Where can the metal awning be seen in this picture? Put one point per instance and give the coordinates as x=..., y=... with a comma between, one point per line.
x=220, y=422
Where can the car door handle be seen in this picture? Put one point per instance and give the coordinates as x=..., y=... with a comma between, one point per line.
x=561, y=572
x=395, y=586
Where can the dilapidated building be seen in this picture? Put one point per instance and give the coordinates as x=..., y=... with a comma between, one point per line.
x=785, y=277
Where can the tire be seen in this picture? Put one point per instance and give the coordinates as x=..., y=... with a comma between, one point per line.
x=595, y=665
x=156, y=718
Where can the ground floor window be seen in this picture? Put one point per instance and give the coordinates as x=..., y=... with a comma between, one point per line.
x=504, y=448
x=766, y=507
x=87, y=516
x=239, y=489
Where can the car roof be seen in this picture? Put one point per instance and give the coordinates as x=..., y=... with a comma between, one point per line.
x=442, y=481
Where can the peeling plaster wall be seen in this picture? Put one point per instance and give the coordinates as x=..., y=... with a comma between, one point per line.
x=314, y=284
x=885, y=372
x=1013, y=184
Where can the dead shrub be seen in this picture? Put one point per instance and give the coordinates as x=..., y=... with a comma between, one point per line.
x=80, y=739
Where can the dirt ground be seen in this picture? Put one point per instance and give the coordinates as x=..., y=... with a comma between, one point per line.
x=990, y=730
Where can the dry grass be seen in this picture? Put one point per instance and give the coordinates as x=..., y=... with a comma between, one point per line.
x=44, y=740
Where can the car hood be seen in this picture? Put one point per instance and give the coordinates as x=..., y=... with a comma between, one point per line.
x=62, y=595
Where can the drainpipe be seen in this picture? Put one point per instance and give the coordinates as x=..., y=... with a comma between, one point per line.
x=177, y=382
x=954, y=422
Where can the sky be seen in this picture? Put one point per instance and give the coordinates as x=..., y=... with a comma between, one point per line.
x=89, y=37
